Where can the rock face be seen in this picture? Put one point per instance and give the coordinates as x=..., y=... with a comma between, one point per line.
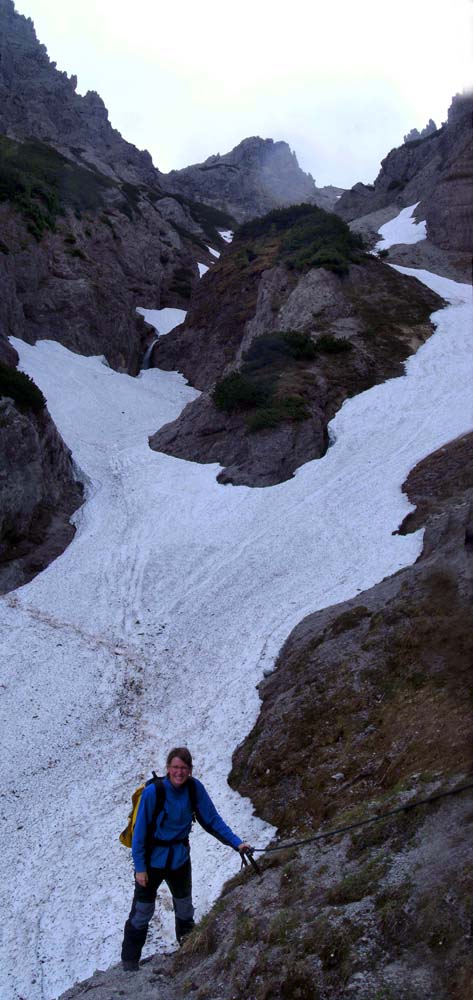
x=255, y=177
x=414, y=134
x=37, y=100
x=368, y=710
x=306, y=338
x=81, y=282
x=38, y=493
x=435, y=169
x=88, y=233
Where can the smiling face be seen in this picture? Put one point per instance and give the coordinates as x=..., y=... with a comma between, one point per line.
x=178, y=772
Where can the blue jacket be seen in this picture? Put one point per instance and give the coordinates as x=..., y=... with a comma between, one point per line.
x=174, y=822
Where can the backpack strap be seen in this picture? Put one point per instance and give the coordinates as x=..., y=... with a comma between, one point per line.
x=158, y=808
x=151, y=840
x=193, y=797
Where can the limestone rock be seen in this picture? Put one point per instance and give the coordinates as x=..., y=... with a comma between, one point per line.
x=255, y=177
x=380, y=316
x=434, y=169
x=38, y=100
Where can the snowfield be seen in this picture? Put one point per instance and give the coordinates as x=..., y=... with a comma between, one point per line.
x=155, y=625
x=403, y=229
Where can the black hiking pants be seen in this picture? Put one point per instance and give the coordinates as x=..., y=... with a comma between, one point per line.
x=179, y=883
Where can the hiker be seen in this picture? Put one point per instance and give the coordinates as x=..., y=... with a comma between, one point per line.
x=162, y=854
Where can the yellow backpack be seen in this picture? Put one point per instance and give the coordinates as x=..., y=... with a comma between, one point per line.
x=126, y=836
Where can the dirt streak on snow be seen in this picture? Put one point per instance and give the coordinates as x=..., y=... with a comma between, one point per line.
x=155, y=625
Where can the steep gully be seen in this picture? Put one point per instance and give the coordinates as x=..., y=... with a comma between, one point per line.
x=157, y=622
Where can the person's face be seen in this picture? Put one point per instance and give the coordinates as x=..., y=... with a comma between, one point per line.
x=178, y=772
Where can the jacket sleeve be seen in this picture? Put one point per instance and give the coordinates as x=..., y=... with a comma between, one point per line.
x=143, y=820
x=211, y=821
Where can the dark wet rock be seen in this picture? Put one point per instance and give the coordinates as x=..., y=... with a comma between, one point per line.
x=38, y=493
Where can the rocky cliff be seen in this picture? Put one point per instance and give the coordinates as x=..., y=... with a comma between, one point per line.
x=87, y=231
x=80, y=251
x=255, y=177
x=38, y=100
x=293, y=319
x=435, y=170
x=368, y=710
x=38, y=489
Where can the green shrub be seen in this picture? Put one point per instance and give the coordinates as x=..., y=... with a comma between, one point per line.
x=21, y=388
x=328, y=257
x=333, y=345
x=383, y=254
x=42, y=183
x=300, y=345
x=310, y=237
x=289, y=408
x=274, y=350
x=238, y=392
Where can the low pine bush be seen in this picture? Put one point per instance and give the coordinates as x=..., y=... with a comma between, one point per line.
x=238, y=392
x=333, y=345
x=21, y=388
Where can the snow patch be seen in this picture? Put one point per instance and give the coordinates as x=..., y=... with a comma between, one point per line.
x=402, y=229
x=163, y=320
x=203, y=268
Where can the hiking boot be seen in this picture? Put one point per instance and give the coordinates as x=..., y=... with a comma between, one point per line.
x=132, y=965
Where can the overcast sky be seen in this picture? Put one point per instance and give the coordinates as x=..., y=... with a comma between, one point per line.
x=341, y=81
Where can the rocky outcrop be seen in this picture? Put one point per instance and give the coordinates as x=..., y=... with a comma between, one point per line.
x=38, y=493
x=355, y=329
x=405, y=645
x=38, y=100
x=88, y=233
x=79, y=252
x=435, y=170
x=255, y=177
x=367, y=711
x=414, y=134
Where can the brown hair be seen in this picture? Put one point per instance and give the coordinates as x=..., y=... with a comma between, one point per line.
x=183, y=753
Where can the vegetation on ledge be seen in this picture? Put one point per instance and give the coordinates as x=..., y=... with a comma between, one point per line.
x=21, y=388
x=274, y=364
x=308, y=237
x=41, y=183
